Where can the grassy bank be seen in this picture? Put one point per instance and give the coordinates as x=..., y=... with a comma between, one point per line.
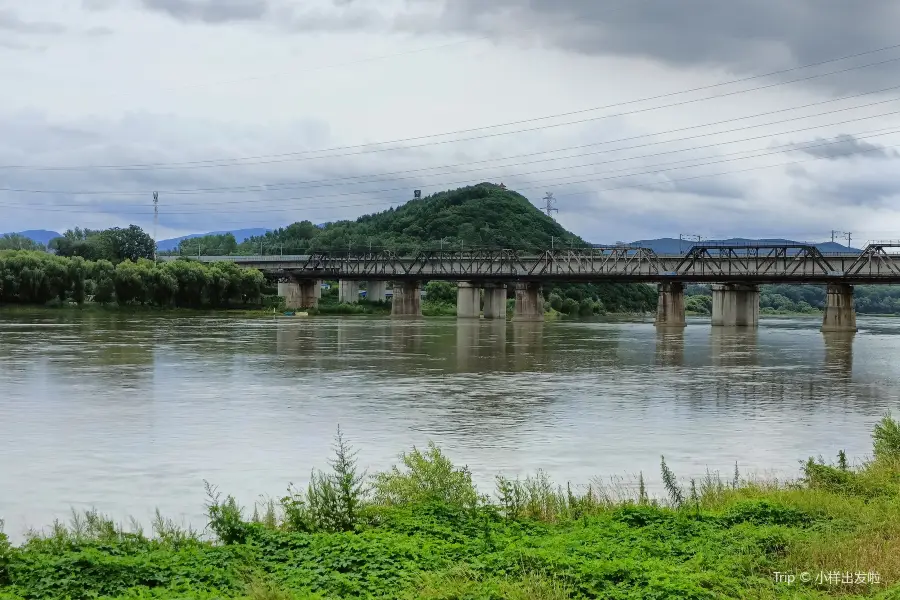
x=423, y=531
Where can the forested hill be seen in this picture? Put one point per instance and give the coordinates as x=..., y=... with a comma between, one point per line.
x=483, y=215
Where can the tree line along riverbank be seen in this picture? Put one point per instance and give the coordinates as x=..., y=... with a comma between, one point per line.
x=39, y=278
x=32, y=277
x=422, y=530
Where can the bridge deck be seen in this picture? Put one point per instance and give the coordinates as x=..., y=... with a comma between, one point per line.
x=702, y=263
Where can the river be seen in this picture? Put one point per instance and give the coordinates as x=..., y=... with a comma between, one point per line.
x=127, y=413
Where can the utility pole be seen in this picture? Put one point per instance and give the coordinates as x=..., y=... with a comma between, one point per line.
x=549, y=202
x=685, y=236
x=848, y=239
x=155, y=221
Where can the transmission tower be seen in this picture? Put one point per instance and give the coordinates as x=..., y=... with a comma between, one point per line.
x=155, y=221
x=549, y=202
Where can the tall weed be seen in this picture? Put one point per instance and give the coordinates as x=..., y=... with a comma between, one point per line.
x=676, y=494
x=333, y=500
x=225, y=517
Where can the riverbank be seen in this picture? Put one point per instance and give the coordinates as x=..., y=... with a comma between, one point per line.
x=423, y=531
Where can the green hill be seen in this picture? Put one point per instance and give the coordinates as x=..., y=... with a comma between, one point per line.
x=483, y=215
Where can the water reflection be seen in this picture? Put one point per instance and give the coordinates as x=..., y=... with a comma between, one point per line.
x=734, y=346
x=527, y=344
x=669, y=347
x=839, y=354
x=467, y=350
x=407, y=335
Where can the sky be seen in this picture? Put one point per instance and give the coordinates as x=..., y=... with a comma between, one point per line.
x=645, y=118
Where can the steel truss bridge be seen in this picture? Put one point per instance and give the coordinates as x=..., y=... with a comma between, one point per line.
x=879, y=262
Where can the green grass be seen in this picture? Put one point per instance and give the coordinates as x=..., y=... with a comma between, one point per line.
x=421, y=530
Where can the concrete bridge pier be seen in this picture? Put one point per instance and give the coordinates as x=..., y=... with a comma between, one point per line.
x=407, y=299
x=529, y=302
x=670, y=305
x=468, y=300
x=495, y=301
x=839, y=312
x=348, y=291
x=376, y=290
x=303, y=293
x=735, y=305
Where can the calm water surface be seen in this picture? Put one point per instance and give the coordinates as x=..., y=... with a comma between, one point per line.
x=128, y=413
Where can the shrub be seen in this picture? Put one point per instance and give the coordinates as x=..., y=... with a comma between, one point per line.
x=763, y=512
x=225, y=517
x=5, y=550
x=886, y=437
x=570, y=306
x=428, y=477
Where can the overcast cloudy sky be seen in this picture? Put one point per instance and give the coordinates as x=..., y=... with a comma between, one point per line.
x=226, y=106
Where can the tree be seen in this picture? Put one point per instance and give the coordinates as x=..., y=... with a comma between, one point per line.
x=126, y=244
x=440, y=291
x=15, y=241
x=221, y=244
x=103, y=274
x=130, y=283
x=78, y=242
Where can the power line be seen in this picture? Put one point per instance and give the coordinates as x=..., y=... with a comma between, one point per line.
x=770, y=150
x=630, y=186
x=241, y=189
x=470, y=130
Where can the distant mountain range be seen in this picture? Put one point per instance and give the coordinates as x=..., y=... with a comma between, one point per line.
x=41, y=236
x=239, y=234
x=676, y=246
x=659, y=245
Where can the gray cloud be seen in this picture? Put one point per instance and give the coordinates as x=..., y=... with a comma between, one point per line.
x=842, y=146
x=98, y=4
x=749, y=36
x=210, y=11
x=871, y=193
x=10, y=21
x=99, y=31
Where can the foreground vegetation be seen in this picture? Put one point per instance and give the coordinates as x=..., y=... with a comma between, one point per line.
x=423, y=531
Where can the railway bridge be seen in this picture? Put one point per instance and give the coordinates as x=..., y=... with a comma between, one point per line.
x=736, y=272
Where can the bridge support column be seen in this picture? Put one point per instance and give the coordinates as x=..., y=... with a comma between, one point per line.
x=310, y=292
x=670, y=305
x=348, y=292
x=290, y=291
x=839, y=312
x=407, y=299
x=375, y=290
x=468, y=300
x=529, y=302
x=304, y=293
x=495, y=301
x=735, y=305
